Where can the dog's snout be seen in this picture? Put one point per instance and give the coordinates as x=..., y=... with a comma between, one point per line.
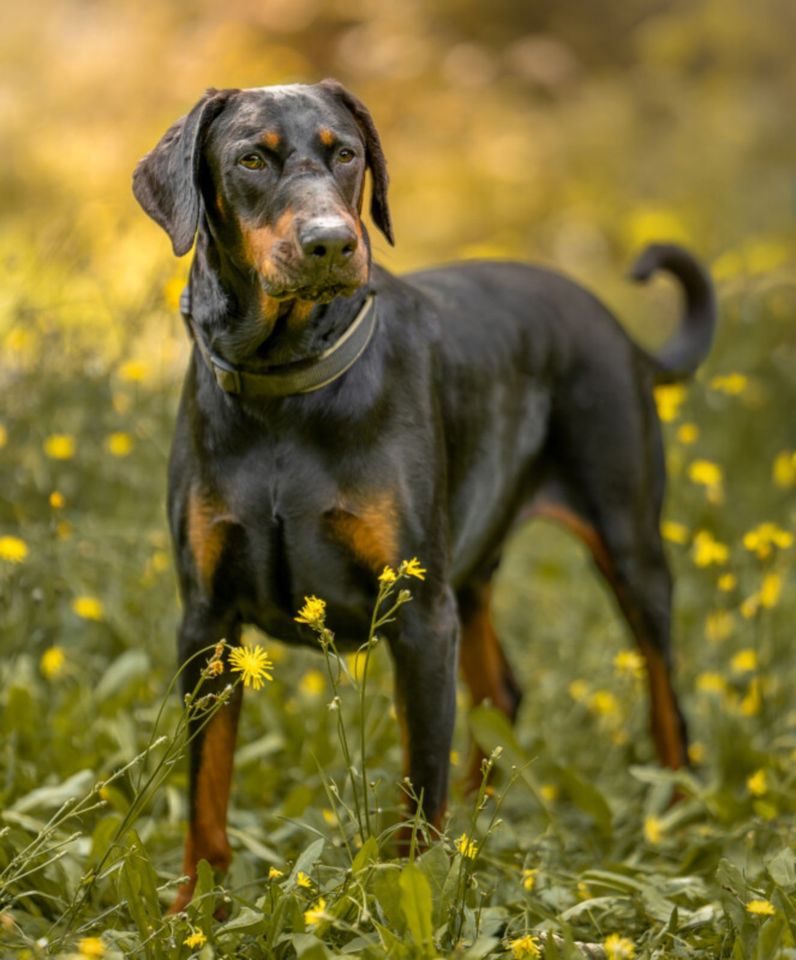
x=327, y=241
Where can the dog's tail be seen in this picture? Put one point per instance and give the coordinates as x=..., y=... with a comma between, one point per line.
x=681, y=355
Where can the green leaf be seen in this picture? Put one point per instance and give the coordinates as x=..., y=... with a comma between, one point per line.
x=367, y=855
x=387, y=890
x=306, y=861
x=417, y=904
x=586, y=796
x=782, y=868
x=49, y=798
x=248, y=920
x=490, y=728
x=129, y=667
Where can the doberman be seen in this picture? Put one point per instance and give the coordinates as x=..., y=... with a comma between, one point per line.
x=336, y=419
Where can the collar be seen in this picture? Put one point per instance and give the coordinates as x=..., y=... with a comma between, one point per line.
x=303, y=376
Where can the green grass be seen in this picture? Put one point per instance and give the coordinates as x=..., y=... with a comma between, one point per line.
x=581, y=802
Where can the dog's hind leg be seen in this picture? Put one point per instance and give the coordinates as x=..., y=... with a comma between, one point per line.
x=483, y=663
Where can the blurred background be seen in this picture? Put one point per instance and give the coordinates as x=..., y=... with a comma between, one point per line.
x=557, y=131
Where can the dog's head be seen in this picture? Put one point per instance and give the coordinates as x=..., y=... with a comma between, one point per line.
x=276, y=175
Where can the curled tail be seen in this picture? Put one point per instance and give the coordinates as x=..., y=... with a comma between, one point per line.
x=681, y=355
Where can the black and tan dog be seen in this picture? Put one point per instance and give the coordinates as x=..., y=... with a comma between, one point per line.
x=336, y=418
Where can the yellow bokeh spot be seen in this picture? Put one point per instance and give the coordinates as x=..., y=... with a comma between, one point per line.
x=119, y=444
x=687, y=434
x=745, y=661
x=705, y=472
x=60, y=446
x=133, y=371
x=675, y=532
x=604, y=703
x=707, y=551
x=732, y=384
x=770, y=590
x=696, y=753
x=313, y=683
x=783, y=470
x=668, y=399
x=13, y=549
x=629, y=663
x=719, y=625
x=654, y=224
x=757, y=784
x=709, y=682
x=653, y=831
x=52, y=662
x=57, y=501
x=727, y=582
x=579, y=690
x=88, y=608
x=3, y=436
x=618, y=948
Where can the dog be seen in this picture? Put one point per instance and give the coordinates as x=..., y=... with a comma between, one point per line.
x=336, y=419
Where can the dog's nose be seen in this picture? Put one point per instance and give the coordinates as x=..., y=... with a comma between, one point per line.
x=327, y=241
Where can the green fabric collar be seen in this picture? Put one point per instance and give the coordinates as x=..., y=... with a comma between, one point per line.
x=304, y=376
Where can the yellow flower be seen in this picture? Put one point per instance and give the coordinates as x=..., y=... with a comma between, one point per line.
x=13, y=550
x=529, y=879
x=618, y=948
x=133, y=371
x=89, y=608
x=579, y=690
x=719, y=625
x=119, y=444
x=604, y=703
x=275, y=873
x=783, y=471
x=91, y=947
x=732, y=384
x=688, y=433
x=388, y=575
x=756, y=784
x=329, y=817
x=52, y=662
x=669, y=399
x=770, y=590
x=706, y=550
x=57, y=500
x=753, y=701
x=466, y=847
x=696, y=753
x=653, y=831
x=253, y=663
x=455, y=759
x=548, y=792
x=711, y=683
x=750, y=606
x=707, y=474
x=629, y=663
x=727, y=582
x=303, y=880
x=524, y=947
x=313, y=683
x=412, y=568
x=313, y=612
x=764, y=537
x=760, y=908
x=60, y=446
x=315, y=914
x=197, y=939
x=745, y=661
x=3, y=436
x=674, y=532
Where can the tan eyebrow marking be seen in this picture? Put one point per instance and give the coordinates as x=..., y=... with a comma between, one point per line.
x=271, y=139
x=326, y=136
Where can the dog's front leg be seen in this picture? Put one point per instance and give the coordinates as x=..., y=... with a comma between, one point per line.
x=425, y=655
x=210, y=751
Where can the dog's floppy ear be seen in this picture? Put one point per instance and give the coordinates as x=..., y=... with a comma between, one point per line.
x=379, y=208
x=165, y=182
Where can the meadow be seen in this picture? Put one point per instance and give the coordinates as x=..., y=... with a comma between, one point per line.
x=573, y=848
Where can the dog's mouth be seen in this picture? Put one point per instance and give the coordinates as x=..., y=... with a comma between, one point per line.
x=311, y=292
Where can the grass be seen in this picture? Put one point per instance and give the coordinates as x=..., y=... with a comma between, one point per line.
x=577, y=842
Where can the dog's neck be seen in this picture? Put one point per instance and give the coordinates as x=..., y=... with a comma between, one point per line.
x=228, y=307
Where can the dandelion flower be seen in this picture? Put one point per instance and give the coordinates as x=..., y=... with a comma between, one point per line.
x=60, y=446
x=674, y=532
x=466, y=847
x=313, y=612
x=57, y=500
x=653, y=831
x=303, y=880
x=761, y=908
x=253, y=663
x=745, y=661
x=524, y=947
x=618, y=948
x=91, y=947
x=275, y=873
x=756, y=783
x=388, y=575
x=13, y=550
x=316, y=913
x=529, y=879
x=52, y=662
x=668, y=400
x=707, y=474
x=88, y=608
x=197, y=939
x=119, y=444
x=412, y=568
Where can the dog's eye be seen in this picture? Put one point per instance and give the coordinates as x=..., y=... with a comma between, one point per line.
x=252, y=161
x=346, y=155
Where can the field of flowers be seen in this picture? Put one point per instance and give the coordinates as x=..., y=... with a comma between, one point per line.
x=573, y=848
